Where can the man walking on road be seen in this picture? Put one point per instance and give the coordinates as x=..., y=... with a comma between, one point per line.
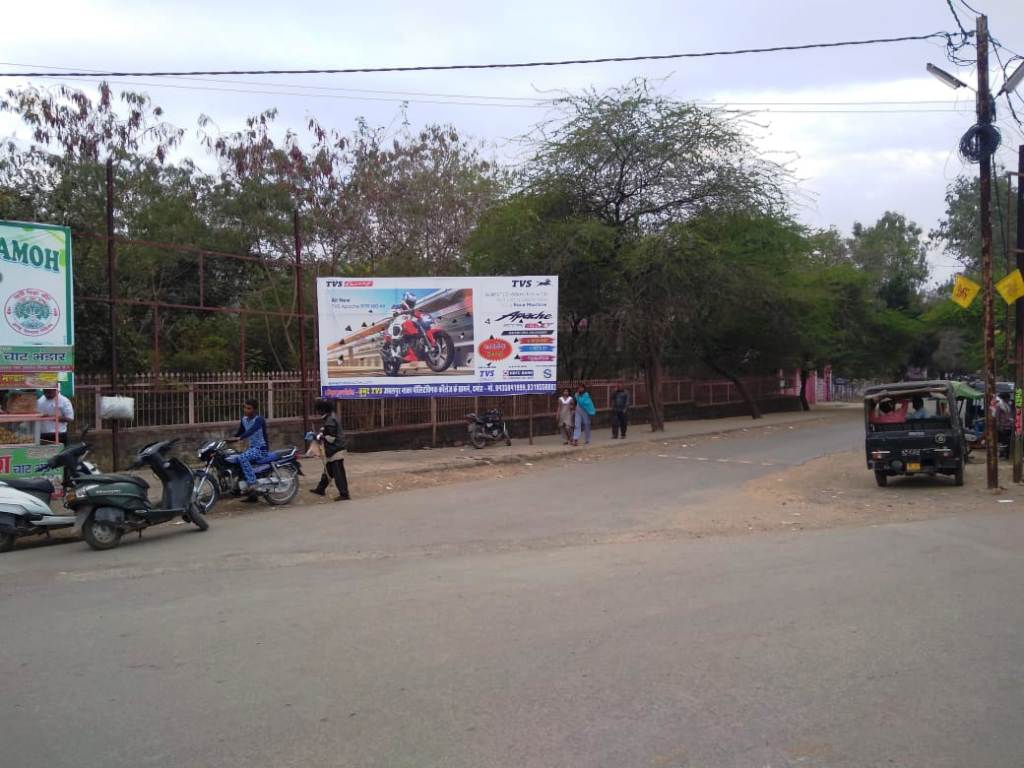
x=620, y=412
x=332, y=443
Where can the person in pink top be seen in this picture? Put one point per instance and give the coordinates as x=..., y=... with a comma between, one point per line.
x=887, y=413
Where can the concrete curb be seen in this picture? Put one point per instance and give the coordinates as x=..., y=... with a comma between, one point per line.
x=465, y=462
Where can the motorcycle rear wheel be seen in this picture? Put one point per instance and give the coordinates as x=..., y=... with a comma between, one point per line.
x=477, y=439
x=100, y=536
x=285, y=490
x=7, y=541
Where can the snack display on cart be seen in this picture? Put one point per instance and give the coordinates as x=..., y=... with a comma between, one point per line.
x=22, y=433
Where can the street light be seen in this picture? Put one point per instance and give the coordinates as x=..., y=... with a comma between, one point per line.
x=1013, y=80
x=947, y=78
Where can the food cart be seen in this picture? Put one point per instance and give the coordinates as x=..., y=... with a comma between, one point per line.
x=36, y=340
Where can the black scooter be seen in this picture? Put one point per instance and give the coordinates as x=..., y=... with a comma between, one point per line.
x=108, y=506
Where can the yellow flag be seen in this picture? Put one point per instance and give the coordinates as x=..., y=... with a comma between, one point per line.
x=1011, y=287
x=964, y=291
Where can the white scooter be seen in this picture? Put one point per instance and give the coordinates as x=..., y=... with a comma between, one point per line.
x=25, y=504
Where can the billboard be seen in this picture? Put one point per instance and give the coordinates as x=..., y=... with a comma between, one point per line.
x=37, y=330
x=437, y=336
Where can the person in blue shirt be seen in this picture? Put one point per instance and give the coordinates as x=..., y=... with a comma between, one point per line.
x=917, y=409
x=253, y=428
x=585, y=411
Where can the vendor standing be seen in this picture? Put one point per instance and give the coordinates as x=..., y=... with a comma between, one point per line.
x=59, y=409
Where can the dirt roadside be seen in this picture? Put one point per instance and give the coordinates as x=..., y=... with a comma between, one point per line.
x=839, y=490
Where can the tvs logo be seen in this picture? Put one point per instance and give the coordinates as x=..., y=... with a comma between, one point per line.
x=32, y=312
x=495, y=349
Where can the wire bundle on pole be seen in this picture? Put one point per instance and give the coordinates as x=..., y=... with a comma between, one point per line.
x=981, y=140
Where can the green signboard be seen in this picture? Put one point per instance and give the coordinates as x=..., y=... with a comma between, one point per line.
x=29, y=461
x=37, y=330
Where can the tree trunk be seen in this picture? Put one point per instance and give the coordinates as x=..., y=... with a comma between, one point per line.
x=653, y=376
x=803, y=389
x=755, y=412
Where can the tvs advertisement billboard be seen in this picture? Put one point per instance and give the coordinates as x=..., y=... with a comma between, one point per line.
x=437, y=336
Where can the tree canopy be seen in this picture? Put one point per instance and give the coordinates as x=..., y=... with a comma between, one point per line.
x=671, y=232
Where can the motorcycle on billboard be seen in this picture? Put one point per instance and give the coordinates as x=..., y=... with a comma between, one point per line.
x=412, y=337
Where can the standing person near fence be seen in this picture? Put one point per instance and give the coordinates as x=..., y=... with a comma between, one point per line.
x=253, y=428
x=620, y=412
x=585, y=411
x=566, y=417
x=331, y=441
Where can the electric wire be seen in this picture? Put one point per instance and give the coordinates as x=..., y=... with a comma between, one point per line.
x=503, y=65
x=530, y=100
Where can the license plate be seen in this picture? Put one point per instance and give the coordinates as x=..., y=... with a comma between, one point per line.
x=913, y=466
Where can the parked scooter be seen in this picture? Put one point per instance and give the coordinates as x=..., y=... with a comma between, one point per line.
x=277, y=479
x=108, y=506
x=25, y=503
x=487, y=428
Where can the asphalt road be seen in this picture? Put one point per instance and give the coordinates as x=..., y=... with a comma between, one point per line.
x=516, y=622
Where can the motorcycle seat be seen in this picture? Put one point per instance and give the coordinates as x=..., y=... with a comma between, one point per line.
x=114, y=478
x=30, y=484
x=285, y=455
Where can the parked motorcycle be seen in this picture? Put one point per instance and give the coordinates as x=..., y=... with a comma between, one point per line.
x=25, y=503
x=487, y=428
x=412, y=337
x=277, y=479
x=108, y=506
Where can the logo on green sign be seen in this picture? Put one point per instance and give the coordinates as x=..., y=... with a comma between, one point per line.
x=32, y=312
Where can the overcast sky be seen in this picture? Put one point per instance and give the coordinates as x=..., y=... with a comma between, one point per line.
x=853, y=166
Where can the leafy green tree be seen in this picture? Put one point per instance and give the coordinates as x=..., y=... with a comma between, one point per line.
x=959, y=231
x=893, y=252
x=736, y=315
x=638, y=160
x=540, y=234
x=638, y=163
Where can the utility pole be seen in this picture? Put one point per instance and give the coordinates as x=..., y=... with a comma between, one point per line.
x=984, y=106
x=1018, y=449
x=112, y=295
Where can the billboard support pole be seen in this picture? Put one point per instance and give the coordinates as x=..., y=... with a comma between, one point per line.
x=529, y=401
x=301, y=312
x=433, y=422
